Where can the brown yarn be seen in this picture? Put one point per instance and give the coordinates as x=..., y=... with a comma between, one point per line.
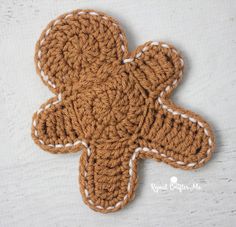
x=113, y=105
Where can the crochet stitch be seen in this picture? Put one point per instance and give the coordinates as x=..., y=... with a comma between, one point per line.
x=113, y=105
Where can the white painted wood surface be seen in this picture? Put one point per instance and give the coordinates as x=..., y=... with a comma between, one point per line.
x=40, y=189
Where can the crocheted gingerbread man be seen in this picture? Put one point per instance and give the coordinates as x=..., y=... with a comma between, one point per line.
x=113, y=105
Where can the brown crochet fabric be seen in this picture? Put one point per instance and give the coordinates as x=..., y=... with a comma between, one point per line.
x=113, y=105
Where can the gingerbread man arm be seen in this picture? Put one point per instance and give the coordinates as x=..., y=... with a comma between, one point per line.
x=170, y=133
x=55, y=127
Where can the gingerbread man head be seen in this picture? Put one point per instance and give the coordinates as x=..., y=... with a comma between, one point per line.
x=113, y=105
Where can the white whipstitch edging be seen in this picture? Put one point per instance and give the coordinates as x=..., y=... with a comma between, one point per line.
x=39, y=54
x=77, y=142
x=146, y=47
x=137, y=150
x=165, y=107
x=134, y=156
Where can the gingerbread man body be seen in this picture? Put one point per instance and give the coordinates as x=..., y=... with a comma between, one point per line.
x=113, y=105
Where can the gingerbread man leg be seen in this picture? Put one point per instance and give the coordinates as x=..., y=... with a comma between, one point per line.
x=170, y=133
x=107, y=183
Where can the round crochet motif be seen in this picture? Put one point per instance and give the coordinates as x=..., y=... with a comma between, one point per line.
x=111, y=107
x=114, y=106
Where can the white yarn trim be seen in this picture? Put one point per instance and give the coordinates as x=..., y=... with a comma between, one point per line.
x=139, y=149
x=136, y=152
x=39, y=54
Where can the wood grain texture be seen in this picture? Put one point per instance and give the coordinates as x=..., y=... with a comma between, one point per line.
x=40, y=189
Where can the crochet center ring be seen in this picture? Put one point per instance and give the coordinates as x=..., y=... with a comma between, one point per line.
x=110, y=107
